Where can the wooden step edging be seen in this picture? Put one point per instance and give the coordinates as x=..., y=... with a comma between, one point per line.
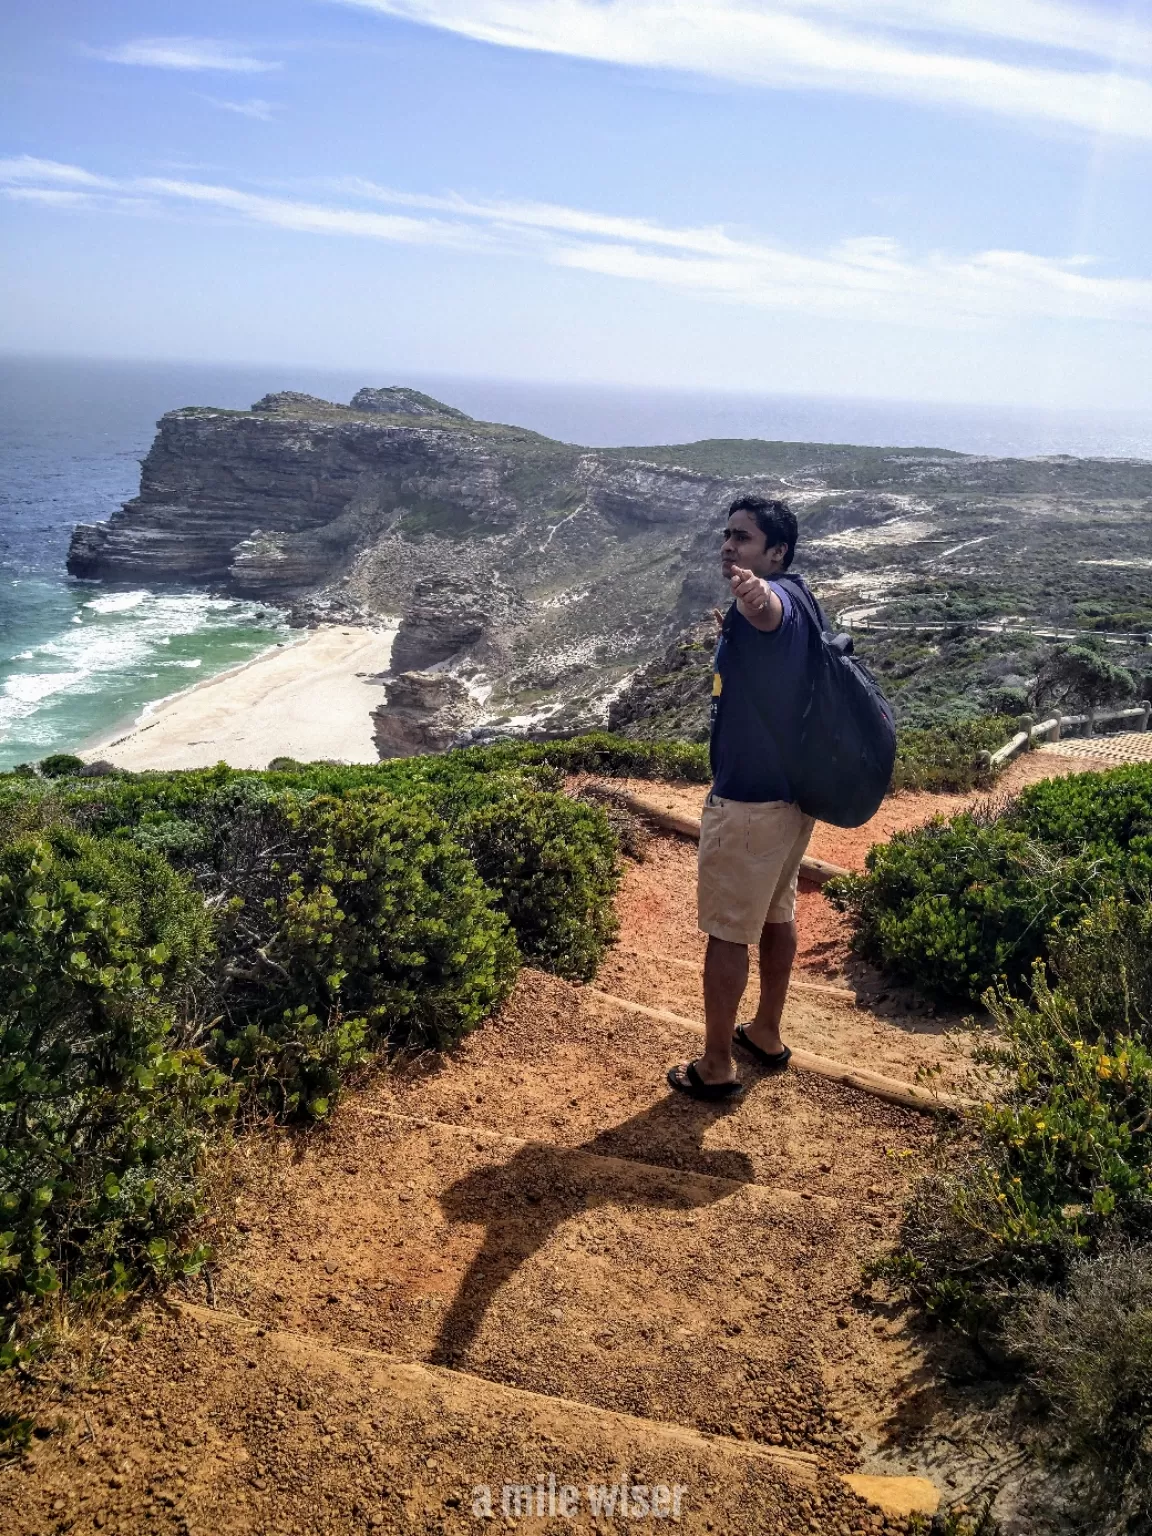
x=891, y=1089
x=815, y=871
x=893, y=1495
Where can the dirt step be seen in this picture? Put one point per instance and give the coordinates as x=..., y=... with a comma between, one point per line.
x=629, y=1167
x=207, y=1426
x=657, y=1293
x=825, y=1020
x=561, y=1065
x=879, y=1085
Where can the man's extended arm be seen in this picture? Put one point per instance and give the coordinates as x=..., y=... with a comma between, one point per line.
x=756, y=600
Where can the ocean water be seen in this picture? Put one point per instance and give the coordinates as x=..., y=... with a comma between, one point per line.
x=78, y=658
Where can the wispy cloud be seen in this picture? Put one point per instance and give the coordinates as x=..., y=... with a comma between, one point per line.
x=189, y=53
x=1007, y=59
x=869, y=278
x=263, y=111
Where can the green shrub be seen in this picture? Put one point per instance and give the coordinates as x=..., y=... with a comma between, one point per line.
x=349, y=922
x=1087, y=1350
x=1105, y=813
x=961, y=905
x=553, y=863
x=60, y=765
x=949, y=757
x=1105, y=967
x=104, y=1116
x=957, y=905
x=1058, y=1161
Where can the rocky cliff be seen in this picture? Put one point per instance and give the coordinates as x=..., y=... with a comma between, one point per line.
x=535, y=581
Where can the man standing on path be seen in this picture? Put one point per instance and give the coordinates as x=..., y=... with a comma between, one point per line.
x=752, y=833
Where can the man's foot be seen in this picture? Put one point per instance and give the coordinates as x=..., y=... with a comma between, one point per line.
x=772, y=1061
x=688, y=1079
x=765, y=1037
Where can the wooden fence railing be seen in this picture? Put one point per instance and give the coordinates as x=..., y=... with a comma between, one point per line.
x=1060, y=726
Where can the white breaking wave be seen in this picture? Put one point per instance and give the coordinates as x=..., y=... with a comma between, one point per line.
x=107, y=648
x=117, y=602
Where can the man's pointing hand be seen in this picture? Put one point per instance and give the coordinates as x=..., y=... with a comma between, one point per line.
x=751, y=592
x=756, y=599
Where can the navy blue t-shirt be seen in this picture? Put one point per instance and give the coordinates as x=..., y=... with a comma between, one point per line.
x=758, y=691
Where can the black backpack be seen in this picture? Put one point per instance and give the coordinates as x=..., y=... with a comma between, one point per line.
x=840, y=758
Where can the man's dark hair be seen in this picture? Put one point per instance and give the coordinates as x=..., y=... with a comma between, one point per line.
x=775, y=520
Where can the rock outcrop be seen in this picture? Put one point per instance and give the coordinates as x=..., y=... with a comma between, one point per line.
x=397, y=401
x=446, y=616
x=423, y=712
x=215, y=480
x=670, y=697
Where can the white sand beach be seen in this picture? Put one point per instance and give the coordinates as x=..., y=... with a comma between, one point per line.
x=304, y=700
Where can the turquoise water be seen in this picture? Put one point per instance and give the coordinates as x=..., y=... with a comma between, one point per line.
x=99, y=657
x=78, y=659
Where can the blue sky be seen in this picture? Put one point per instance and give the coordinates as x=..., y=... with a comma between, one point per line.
x=936, y=199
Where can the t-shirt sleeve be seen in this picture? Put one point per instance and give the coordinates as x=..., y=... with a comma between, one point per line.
x=786, y=602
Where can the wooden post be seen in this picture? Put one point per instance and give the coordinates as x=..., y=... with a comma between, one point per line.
x=1146, y=706
x=1059, y=726
x=1026, y=724
x=1090, y=722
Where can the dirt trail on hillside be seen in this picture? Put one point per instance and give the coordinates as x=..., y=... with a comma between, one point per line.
x=527, y=1261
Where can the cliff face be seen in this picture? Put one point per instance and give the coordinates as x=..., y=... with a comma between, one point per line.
x=536, y=583
x=308, y=487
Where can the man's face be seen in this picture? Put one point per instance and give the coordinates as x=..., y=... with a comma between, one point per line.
x=746, y=546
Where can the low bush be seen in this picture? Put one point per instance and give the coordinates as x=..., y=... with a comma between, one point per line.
x=961, y=905
x=1057, y=1163
x=104, y=1115
x=958, y=905
x=554, y=866
x=1107, y=814
x=950, y=756
x=1087, y=1351
x=348, y=922
x=60, y=765
x=1105, y=967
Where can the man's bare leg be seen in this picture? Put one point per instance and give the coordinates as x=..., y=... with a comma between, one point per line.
x=725, y=977
x=777, y=952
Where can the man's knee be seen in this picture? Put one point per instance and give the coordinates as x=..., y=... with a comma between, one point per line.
x=779, y=940
x=725, y=946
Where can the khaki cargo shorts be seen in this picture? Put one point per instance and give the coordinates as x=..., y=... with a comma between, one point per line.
x=750, y=854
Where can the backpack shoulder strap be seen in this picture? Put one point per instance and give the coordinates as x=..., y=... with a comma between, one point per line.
x=802, y=594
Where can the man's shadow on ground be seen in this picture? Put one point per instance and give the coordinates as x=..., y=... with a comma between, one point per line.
x=523, y=1201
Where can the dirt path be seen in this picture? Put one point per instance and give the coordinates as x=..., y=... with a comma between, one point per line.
x=526, y=1264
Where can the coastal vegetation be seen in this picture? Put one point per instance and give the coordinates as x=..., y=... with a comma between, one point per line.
x=964, y=904
x=1031, y=1230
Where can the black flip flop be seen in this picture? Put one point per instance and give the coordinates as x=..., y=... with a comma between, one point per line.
x=771, y=1061
x=695, y=1087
